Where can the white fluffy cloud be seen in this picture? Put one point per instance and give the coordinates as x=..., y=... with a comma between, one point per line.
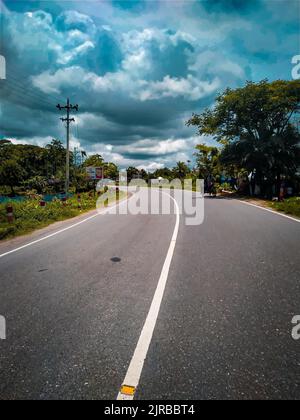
x=215, y=62
x=136, y=77
x=159, y=148
x=151, y=166
x=189, y=88
x=41, y=35
x=137, y=74
x=72, y=17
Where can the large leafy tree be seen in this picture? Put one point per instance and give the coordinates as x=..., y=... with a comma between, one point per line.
x=94, y=160
x=111, y=170
x=132, y=172
x=38, y=168
x=165, y=173
x=254, y=123
x=144, y=175
x=56, y=157
x=12, y=174
x=32, y=159
x=31, y=166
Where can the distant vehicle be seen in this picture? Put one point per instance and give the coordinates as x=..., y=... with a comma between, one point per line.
x=159, y=181
x=106, y=182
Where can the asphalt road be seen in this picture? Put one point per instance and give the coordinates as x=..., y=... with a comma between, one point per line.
x=75, y=305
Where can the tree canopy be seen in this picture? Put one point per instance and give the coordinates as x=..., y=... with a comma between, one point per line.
x=12, y=173
x=94, y=160
x=43, y=168
x=181, y=170
x=208, y=160
x=255, y=126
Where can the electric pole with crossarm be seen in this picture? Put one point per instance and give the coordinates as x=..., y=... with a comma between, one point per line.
x=68, y=120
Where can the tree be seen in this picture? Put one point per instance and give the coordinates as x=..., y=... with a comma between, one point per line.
x=56, y=157
x=4, y=142
x=111, y=171
x=181, y=170
x=94, y=160
x=11, y=174
x=33, y=159
x=165, y=173
x=208, y=161
x=144, y=175
x=254, y=124
x=43, y=169
x=132, y=172
x=37, y=183
x=79, y=180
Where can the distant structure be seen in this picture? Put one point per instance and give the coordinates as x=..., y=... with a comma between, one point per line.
x=158, y=181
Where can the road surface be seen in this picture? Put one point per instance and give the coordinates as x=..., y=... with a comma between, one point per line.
x=76, y=303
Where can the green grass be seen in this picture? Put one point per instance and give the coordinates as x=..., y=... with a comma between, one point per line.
x=290, y=206
x=29, y=215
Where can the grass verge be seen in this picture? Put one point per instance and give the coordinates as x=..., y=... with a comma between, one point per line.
x=30, y=216
x=290, y=206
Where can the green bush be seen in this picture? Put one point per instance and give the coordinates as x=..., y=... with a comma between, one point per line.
x=219, y=188
x=10, y=230
x=29, y=215
x=290, y=206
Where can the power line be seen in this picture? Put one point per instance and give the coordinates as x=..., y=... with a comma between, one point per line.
x=18, y=98
x=19, y=78
x=15, y=91
x=19, y=82
x=28, y=92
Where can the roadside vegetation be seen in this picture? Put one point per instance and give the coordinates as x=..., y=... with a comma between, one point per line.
x=30, y=175
x=290, y=206
x=29, y=215
x=256, y=128
x=257, y=152
x=252, y=151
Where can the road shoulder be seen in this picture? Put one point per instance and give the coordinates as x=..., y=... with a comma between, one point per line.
x=49, y=230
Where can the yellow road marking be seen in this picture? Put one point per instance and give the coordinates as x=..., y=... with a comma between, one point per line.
x=127, y=390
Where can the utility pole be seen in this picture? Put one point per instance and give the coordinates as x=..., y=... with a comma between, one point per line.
x=68, y=120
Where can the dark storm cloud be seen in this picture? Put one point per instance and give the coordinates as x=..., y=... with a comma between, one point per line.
x=136, y=72
x=230, y=6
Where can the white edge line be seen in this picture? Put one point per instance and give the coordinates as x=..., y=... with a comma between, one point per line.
x=270, y=211
x=105, y=211
x=135, y=368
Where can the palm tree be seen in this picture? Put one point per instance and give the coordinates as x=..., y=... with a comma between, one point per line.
x=181, y=170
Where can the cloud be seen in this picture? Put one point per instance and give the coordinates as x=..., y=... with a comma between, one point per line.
x=72, y=20
x=189, y=88
x=136, y=72
x=57, y=42
x=81, y=49
x=230, y=6
x=35, y=141
x=215, y=62
x=151, y=167
x=151, y=148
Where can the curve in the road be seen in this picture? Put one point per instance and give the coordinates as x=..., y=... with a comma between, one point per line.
x=134, y=371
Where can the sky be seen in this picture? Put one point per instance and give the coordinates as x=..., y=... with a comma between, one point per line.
x=137, y=69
